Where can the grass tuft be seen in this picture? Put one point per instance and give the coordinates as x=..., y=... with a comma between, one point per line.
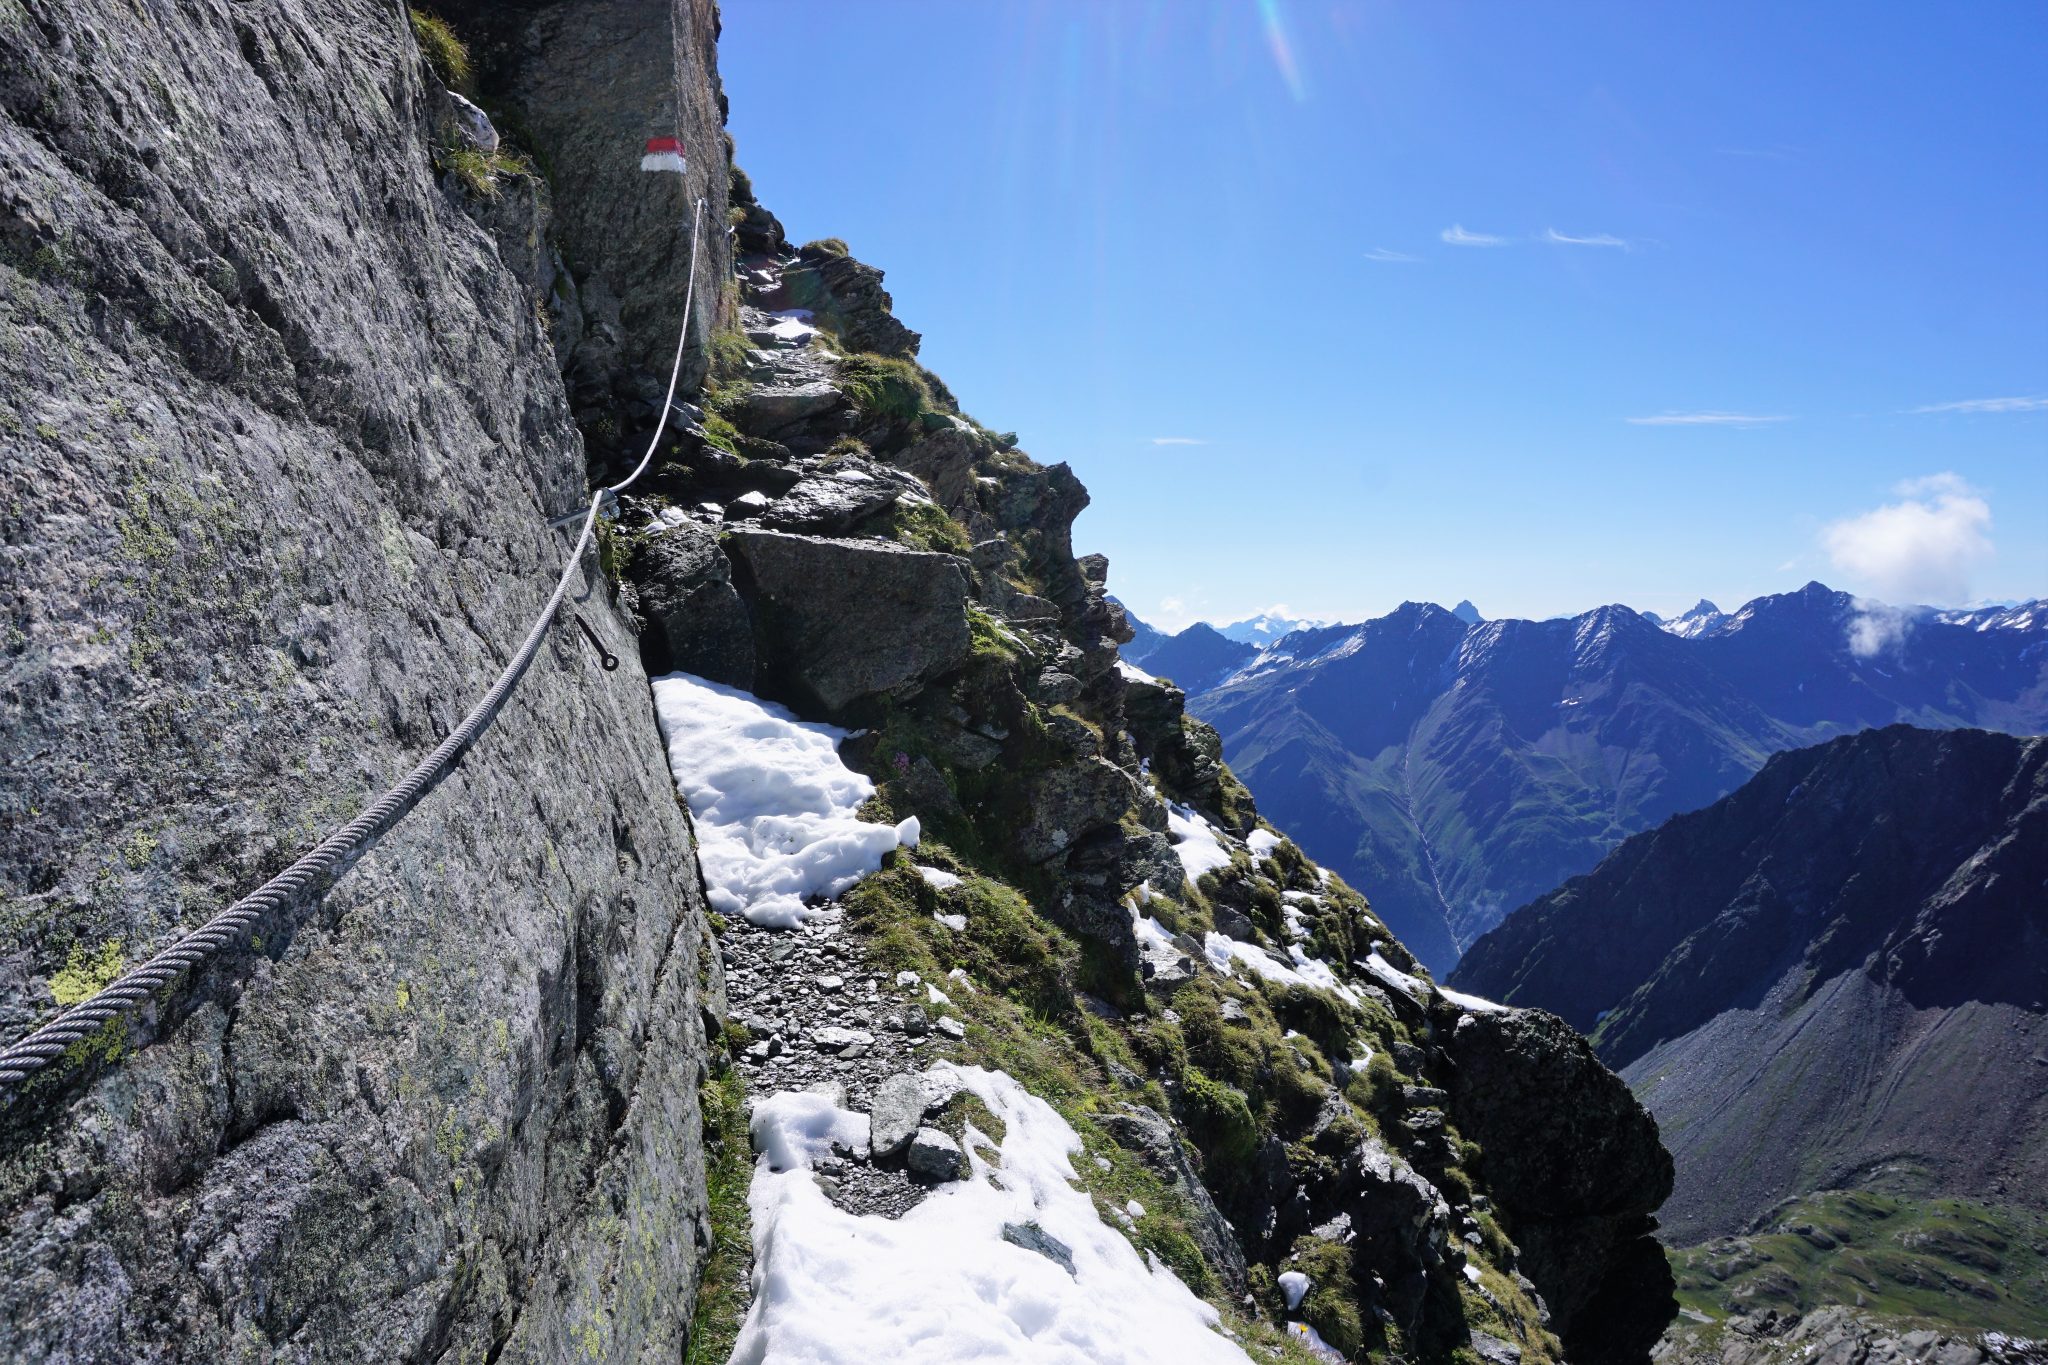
x=446, y=53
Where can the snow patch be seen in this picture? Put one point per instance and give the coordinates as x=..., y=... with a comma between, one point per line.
x=938, y=878
x=1194, y=842
x=940, y=1283
x=773, y=805
x=1133, y=673
x=1294, y=1285
x=1262, y=842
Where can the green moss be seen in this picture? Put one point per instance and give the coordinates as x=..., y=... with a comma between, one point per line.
x=1218, y=1118
x=446, y=53
x=1331, y=1304
x=729, y=1165
x=925, y=526
x=887, y=386
x=83, y=976
x=730, y=353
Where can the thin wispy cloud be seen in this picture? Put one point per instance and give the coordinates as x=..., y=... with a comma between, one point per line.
x=1456, y=235
x=1596, y=239
x=1380, y=253
x=1707, y=419
x=1178, y=441
x=1988, y=405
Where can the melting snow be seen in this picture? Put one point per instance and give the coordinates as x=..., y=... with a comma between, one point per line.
x=1262, y=842
x=1294, y=1285
x=938, y=877
x=773, y=805
x=1133, y=673
x=1222, y=951
x=1470, y=1002
x=1195, y=841
x=1410, y=986
x=940, y=1283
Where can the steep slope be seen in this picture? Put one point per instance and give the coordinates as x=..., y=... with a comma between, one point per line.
x=282, y=431
x=1459, y=771
x=1835, y=976
x=1093, y=911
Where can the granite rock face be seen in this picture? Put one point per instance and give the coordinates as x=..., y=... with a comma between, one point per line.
x=282, y=433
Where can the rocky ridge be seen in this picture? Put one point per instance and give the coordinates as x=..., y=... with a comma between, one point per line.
x=832, y=532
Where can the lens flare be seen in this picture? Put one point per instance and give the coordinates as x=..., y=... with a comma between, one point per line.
x=1283, y=51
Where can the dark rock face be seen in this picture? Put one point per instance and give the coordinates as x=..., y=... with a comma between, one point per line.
x=1147, y=1132
x=289, y=432
x=692, y=618
x=848, y=294
x=1576, y=1162
x=1401, y=1225
x=1857, y=931
x=589, y=82
x=838, y=620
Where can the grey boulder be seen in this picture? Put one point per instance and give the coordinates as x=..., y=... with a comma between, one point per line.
x=935, y=1156
x=895, y=1113
x=838, y=620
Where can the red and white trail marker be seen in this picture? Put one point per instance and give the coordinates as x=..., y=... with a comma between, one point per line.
x=663, y=154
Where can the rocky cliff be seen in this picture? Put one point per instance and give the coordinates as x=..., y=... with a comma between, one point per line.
x=313, y=320
x=283, y=431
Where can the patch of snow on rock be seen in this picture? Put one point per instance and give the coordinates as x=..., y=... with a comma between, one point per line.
x=773, y=805
x=938, y=877
x=941, y=1283
x=1262, y=842
x=1294, y=1285
x=1195, y=842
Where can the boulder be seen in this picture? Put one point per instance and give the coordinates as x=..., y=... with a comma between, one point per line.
x=1400, y=1225
x=694, y=620
x=895, y=1113
x=831, y=503
x=1067, y=801
x=1032, y=1237
x=774, y=406
x=935, y=1156
x=838, y=620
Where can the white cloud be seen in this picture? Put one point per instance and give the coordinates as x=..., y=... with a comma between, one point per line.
x=1705, y=419
x=1597, y=239
x=1920, y=548
x=1172, y=604
x=1988, y=405
x=1380, y=253
x=1877, y=628
x=1178, y=441
x=1456, y=235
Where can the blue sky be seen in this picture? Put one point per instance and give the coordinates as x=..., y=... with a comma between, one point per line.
x=1232, y=261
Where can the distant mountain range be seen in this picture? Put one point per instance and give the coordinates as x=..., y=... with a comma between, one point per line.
x=1454, y=770
x=1836, y=977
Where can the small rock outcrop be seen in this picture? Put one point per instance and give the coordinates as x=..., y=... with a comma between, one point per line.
x=1575, y=1159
